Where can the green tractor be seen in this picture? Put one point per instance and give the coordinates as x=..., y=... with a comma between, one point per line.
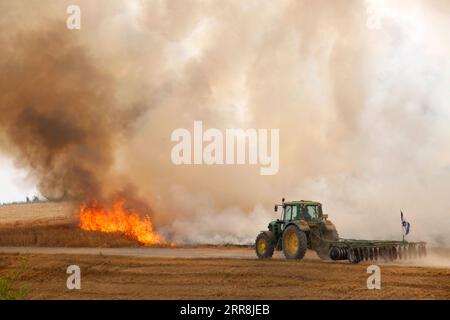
x=303, y=225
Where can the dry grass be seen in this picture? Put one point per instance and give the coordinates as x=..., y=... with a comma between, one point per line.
x=104, y=277
x=67, y=235
x=51, y=224
x=42, y=212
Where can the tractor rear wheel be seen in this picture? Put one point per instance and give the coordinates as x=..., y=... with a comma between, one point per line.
x=295, y=243
x=322, y=250
x=265, y=245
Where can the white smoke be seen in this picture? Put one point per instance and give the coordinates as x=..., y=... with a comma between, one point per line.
x=363, y=109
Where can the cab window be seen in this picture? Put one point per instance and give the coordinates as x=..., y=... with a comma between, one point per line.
x=312, y=212
x=288, y=213
x=295, y=215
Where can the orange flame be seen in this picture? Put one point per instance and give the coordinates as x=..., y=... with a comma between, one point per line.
x=118, y=219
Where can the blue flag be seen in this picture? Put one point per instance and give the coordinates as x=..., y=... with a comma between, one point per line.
x=405, y=224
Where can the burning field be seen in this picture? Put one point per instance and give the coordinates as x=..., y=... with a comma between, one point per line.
x=118, y=219
x=358, y=117
x=76, y=226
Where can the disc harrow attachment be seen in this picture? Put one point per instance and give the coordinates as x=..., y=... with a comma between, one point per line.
x=375, y=250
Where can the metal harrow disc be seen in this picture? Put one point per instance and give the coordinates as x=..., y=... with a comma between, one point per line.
x=394, y=253
x=411, y=251
x=336, y=253
x=359, y=255
x=405, y=252
x=365, y=254
x=422, y=250
x=416, y=252
x=391, y=254
x=352, y=255
x=385, y=254
x=388, y=252
x=371, y=253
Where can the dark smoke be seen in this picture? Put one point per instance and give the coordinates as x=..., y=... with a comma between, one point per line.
x=57, y=112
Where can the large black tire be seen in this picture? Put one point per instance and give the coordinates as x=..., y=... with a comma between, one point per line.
x=265, y=245
x=295, y=243
x=322, y=250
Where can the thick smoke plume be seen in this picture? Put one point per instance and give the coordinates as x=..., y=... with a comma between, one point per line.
x=359, y=91
x=55, y=113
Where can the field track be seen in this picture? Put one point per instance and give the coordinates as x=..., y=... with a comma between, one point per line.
x=435, y=258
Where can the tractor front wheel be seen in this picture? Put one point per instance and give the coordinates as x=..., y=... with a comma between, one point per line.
x=265, y=245
x=295, y=243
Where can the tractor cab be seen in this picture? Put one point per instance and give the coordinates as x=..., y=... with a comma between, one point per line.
x=309, y=211
x=305, y=214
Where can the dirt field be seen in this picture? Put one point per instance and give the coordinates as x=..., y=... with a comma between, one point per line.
x=104, y=277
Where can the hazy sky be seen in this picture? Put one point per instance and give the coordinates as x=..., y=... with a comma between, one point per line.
x=14, y=183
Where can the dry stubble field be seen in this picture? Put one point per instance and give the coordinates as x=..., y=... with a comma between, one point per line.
x=116, y=277
x=50, y=224
x=105, y=277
